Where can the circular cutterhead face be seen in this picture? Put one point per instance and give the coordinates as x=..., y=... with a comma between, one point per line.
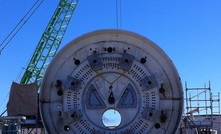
x=110, y=82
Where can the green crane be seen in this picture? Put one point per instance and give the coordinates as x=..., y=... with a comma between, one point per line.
x=49, y=42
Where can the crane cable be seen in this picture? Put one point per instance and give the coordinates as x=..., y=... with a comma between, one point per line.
x=118, y=14
x=18, y=27
x=4, y=100
x=31, y=11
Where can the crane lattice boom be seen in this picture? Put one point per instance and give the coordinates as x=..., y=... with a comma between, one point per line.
x=49, y=42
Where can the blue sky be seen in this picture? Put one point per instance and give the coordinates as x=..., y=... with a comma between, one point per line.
x=188, y=31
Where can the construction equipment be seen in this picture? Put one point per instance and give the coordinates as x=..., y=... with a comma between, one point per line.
x=111, y=82
x=49, y=42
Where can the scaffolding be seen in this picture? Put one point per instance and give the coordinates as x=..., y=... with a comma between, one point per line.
x=202, y=114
